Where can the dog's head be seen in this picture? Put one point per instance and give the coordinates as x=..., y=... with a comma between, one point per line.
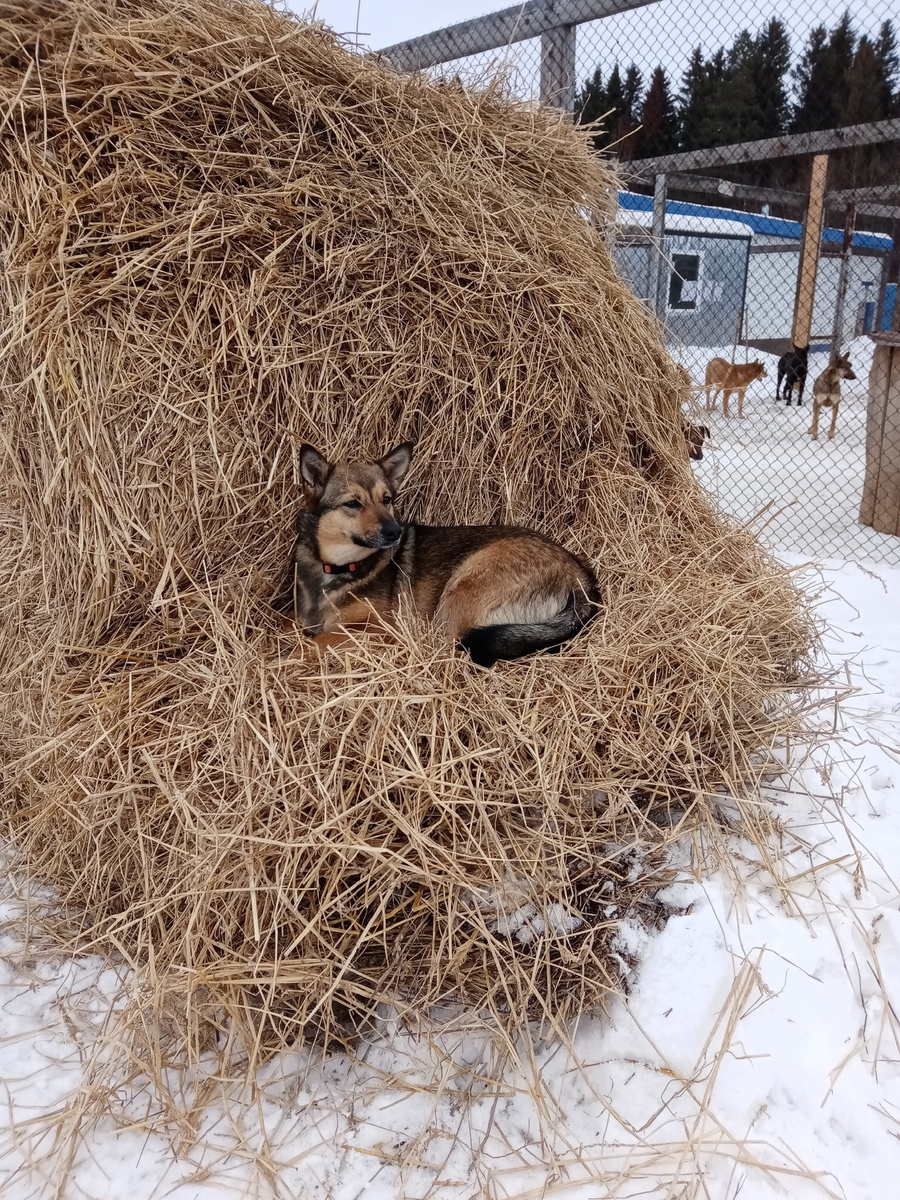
x=843, y=368
x=695, y=435
x=353, y=503
x=759, y=371
x=796, y=359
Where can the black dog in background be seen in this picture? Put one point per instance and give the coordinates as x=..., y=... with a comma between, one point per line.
x=792, y=370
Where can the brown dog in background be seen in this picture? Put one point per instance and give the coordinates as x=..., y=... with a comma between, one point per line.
x=827, y=391
x=694, y=437
x=498, y=591
x=726, y=377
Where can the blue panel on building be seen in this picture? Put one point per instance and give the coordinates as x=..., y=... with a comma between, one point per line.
x=777, y=227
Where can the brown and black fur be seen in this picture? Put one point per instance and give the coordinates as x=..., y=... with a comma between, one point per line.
x=498, y=591
x=694, y=437
x=827, y=392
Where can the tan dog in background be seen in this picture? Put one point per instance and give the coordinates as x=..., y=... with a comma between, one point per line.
x=726, y=377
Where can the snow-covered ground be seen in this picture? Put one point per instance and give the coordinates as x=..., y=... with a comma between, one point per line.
x=758, y=1055
x=807, y=492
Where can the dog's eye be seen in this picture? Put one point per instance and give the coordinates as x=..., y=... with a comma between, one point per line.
x=352, y=504
x=388, y=501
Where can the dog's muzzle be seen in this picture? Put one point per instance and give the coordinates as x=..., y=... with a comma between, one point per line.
x=388, y=535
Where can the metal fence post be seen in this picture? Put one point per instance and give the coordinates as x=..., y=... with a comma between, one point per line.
x=843, y=279
x=657, y=234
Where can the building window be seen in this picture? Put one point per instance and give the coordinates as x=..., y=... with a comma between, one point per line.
x=684, y=285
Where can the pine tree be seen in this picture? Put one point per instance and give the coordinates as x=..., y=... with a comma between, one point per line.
x=772, y=62
x=628, y=117
x=809, y=81
x=590, y=104
x=739, y=101
x=621, y=98
x=842, y=44
x=659, y=119
x=614, y=96
x=631, y=92
x=728, y=81
x=863, y=94
x=868, y=96
x=888, y=68
x=692, y=101
x=821, y=76
x=699, y=97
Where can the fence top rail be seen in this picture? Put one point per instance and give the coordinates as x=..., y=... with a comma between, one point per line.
x=869, y=201
x=500, y=29
x=823, y=141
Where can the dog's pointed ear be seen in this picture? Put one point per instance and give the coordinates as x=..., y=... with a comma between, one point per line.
x=396, y=463
x=314, y=469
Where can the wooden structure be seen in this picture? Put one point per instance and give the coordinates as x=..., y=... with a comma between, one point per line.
x=809, y=253
x=669, y=170
x=880, y=506
x=790, y=146
x=869, y=201
x=553, y=21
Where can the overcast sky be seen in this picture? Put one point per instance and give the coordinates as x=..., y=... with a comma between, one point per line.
x=383, y=22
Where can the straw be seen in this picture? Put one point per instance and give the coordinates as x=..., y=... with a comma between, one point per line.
x=224, y=235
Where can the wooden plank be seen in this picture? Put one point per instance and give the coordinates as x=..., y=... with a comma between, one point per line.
x=790, y=146
x=809, y=253
x=710, y=185
x=499, y=29
x=888, y=193
x=558, y=67
x=890, y=212
x=880, y=507
x=874, y=408
x=733, y=191
x=879, y=201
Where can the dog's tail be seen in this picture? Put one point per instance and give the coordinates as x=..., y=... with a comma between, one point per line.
x=486, y=644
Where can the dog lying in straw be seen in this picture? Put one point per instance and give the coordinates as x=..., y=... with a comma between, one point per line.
x=498, y=591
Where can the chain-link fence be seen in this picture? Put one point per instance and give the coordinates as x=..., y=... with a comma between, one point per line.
x=759, y=218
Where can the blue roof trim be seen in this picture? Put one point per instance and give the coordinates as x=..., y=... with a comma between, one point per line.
x=773, y=226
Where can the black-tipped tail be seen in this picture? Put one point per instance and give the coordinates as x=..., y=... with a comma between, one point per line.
x=487, y=644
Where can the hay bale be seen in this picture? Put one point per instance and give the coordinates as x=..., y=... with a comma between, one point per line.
x=224, y=235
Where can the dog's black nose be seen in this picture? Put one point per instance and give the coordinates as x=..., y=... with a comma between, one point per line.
x=390, y=531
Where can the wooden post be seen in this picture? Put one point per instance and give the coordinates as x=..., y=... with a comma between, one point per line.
x=655, y=272
x=843, y=279
x=558, y=67
x=880, y=506
x=809, y=254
